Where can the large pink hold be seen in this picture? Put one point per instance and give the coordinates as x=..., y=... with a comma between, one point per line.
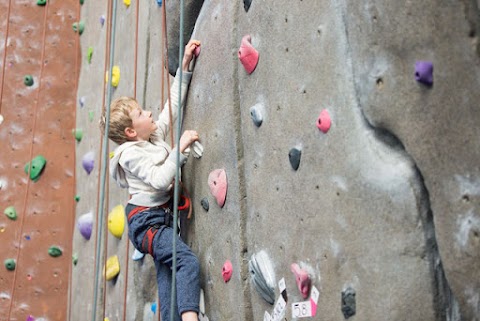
x=302, y=278
x=227, y=271
x=248, y=55
x=217, y=181
x=323, y=121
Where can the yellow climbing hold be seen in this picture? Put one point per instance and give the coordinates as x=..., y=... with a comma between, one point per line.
x=115, y=76
x=112, y=267
x=127, y=3
x=106, y=319
x=116, y=221
x=111, y=154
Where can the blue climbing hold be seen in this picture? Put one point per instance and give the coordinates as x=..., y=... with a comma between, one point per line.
x=159, y=2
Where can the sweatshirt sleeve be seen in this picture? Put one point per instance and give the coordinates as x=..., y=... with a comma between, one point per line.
x=143, y=168
x=163, y=122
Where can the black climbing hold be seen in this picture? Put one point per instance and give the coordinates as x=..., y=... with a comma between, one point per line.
x=28, y=80
x=348, y=302
x=205, y=204
x=38, y=164
x=246, y=4
x=294, y=155
x=10, y=264
x=256, y=114
x=41, y=2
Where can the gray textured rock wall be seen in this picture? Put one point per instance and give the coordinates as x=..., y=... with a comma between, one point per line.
x=386, y=202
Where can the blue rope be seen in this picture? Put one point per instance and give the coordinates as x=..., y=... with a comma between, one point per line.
x=100, y=217
x=177, y=173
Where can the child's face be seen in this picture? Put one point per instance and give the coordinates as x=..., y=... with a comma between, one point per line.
x=142, y=123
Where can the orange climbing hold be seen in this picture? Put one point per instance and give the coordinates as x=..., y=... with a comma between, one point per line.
x=248, y=55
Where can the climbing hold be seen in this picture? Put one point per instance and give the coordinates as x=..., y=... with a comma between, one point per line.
x=54, y=251
x=30, y=318
x=37, y=166
x=424, y=72
x=1, y=119
x=111, y=154
x=127, y=2
x=246, y=4
x=294, y=156
x=202, y=302
x=27, y=237
x=116, y=221
x=11, y=213
x=41, y=2
x=323, y=121
x=85, y=225
x=205, y=204
x=77, y=198
x=91, y=115
x=159, y=2
x=78, y=133
x=197, y=51
x=247, y=54
x=227, y=271
x=82, y=1
x=88, y=161
x=79, y=27
x=217, y=181
x=112, y=267
x=197, y=149
x=348, y=302
x=81, y=100
x=153, y=307
x=115, y=76
x=262, y=274
x=302, y=278
x=74, y=258
x=89, y=54
x=137, y=255
x=256, y=114
x=102, y=20
x=10, y=264
x=28, y=80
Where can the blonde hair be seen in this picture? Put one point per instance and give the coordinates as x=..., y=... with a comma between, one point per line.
x=120, y=119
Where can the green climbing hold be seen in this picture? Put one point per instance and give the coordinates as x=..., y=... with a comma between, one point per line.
x=54, y=251
x=11, y=213
x=77, y=198
x=89, y=54
x=10, y=264
x=28, y=80
x=78, y=27
x=75, y=258
x=91, y=115
x=37, y=164
x=41, y=2
x=78, y=133
x=82, y=1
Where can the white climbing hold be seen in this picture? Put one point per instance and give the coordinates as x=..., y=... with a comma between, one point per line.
x=197, y=149
x=1, y=119
x=137, y=255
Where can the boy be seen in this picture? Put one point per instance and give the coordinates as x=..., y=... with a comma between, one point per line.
x=146, y=165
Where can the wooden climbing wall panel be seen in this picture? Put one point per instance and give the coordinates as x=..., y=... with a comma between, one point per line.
x=38, y=120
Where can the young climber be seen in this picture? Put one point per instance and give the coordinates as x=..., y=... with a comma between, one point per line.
x=146, y=165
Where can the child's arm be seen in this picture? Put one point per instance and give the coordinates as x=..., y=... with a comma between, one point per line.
x=163, y=121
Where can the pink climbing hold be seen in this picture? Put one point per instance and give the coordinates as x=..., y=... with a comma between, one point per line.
x=302, y=278
x=217, y=181
x=248, y=55
x=197, y=50
x=227, y=271
x=324, y=121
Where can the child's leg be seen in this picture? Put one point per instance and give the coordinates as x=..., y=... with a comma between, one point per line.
x=164, y=282
x=188, y=269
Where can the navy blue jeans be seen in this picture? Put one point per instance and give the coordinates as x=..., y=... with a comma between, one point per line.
x=188, y=266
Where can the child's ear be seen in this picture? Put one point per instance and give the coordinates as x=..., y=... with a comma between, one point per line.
x=130, y=132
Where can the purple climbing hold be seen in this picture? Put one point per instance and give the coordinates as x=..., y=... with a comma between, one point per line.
x=102, y=20
x=81, y=100
x=30, y=318
x=424, y=72
x=85, y=225
x=88, y=162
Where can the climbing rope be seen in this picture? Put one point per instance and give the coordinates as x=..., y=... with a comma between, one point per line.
x=101, y=207
x=5, y=53
x=30, y=157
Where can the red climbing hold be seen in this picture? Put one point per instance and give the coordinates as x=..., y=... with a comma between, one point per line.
x=217, y=181
x=227, y=271
x=323, y=121
x=247, y=54
x=302, y=278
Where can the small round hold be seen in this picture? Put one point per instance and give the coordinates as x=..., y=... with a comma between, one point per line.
x=41, y=2
x=54, y=251
x=424, y=72
x=256, y=114
x=28, y=80
x=205, y=204
x=11, y=213
x=324, y=122
x=294, y=155
x=10, y=264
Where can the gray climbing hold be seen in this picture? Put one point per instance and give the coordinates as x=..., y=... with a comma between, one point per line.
x=348, y=302
x=197, y=149
x=256, y=114
x=294, y=155
x=263, y=277
x=205, y=204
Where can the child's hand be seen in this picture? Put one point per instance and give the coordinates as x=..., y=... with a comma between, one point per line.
x=188, y=137
x=188, y=55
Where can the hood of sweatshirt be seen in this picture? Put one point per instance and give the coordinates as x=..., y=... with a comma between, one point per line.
x=116, y=170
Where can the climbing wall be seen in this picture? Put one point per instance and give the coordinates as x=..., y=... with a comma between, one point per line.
x=39, y=72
